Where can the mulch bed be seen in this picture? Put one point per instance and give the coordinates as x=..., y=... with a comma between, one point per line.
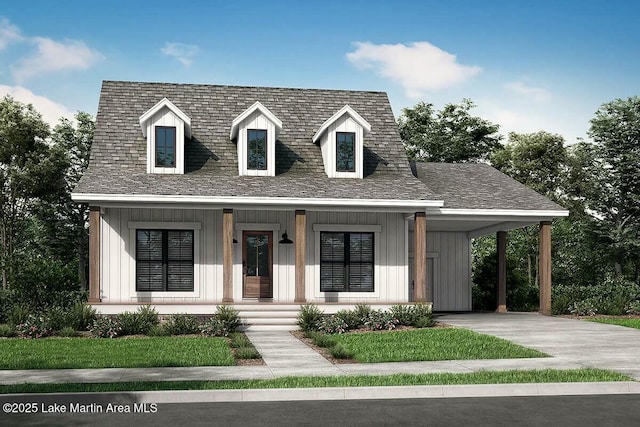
x=601, y=316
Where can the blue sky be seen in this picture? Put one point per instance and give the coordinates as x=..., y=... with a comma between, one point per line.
x=528, y=65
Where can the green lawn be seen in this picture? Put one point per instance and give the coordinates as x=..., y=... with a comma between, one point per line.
x=430, y=344
x=629, y=323
x=56, y=353
x=484, y=377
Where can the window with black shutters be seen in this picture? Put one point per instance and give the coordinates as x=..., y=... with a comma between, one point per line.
x=164, y=260
x=346, y=262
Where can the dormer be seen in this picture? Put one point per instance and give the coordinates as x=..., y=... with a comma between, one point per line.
x=255, y=132
x=341, y=141
x=165, y=126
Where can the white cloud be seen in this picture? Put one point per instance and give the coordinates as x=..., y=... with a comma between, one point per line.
x=535, y=93
x=9, y=33
x=180, y=51
x=54, y=56
x=51, y=111
x=419, y=67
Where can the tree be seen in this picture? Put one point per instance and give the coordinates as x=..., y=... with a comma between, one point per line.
x=614, y=198
x=537, y=160
x=449, y=135
x=22, y=173
x=73, y=144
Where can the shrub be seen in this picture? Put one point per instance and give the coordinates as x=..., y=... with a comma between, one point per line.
x=350, y=318
x=612, y=296
x=309, y=317
x=158, y=331
x=339, y=351
x=378, y=320
x=57, y=317
x=229, y=316
x=424, y=322
x=182, y=324
x=68, y=332
x=34, y=327
x=7, y=331
x=404, y=313
x=138, y=322
x=584, y=308
x=42, y=282
x=421, y=316
x=214, y=327
x=362, y=311
x=81, y=316
x=105, y=327
x=633, y=308
x=7, y=302
x=333, y=325
x=247, y=353
x=19, y=314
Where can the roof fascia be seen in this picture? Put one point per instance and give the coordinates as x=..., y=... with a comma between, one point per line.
x=344, y=110
x=164, y=102
x=246, y=113
x=123, y=200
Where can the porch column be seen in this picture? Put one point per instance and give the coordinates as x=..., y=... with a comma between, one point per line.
x=545, y=267
x=502, y=272
x=301, y=250
x=420, y=257
x=227, y=255
x=94, y=254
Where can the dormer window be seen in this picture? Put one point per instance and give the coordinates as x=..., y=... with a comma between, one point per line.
x=165, y=126
x=255, y=132
x=257, y=149
x=345, y=151
x=165, y=147
x=341, y=139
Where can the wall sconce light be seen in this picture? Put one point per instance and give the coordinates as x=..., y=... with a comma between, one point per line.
x=285, y=239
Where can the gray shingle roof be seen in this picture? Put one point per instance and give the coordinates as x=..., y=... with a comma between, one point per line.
x=118, y=155
x=479, y=186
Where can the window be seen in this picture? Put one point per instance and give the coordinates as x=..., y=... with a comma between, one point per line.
x=257, y=149
x=345, y=151
x=164, y=260
x=165, y=147
x=346, y=262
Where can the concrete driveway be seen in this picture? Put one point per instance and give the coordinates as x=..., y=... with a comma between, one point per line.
x=589, y=344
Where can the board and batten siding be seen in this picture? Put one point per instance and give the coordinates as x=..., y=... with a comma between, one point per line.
x=165, y=117
x=118, y=253
x=449, y=255
x=391, y=272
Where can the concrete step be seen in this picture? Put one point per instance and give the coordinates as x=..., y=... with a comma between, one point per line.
x=268, y=328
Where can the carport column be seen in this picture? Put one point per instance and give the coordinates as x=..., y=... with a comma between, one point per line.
x=227, y=255
x=545, y=267
x=502, y=271
x=420, y=257
x=301, y=250
x=94, y=254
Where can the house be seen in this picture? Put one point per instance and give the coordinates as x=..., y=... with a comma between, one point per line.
x=267, y=198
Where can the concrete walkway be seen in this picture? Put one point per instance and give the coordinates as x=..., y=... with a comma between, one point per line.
x=573, y=343
x=587, y=344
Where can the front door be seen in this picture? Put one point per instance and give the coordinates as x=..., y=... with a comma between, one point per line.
x=257, y=264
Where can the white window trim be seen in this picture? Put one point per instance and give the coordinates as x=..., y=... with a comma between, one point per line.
x=154, y=117
x=376, y=230
x=326, y=136
x=249, y=119
x=237, y=250
x=197, y=263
